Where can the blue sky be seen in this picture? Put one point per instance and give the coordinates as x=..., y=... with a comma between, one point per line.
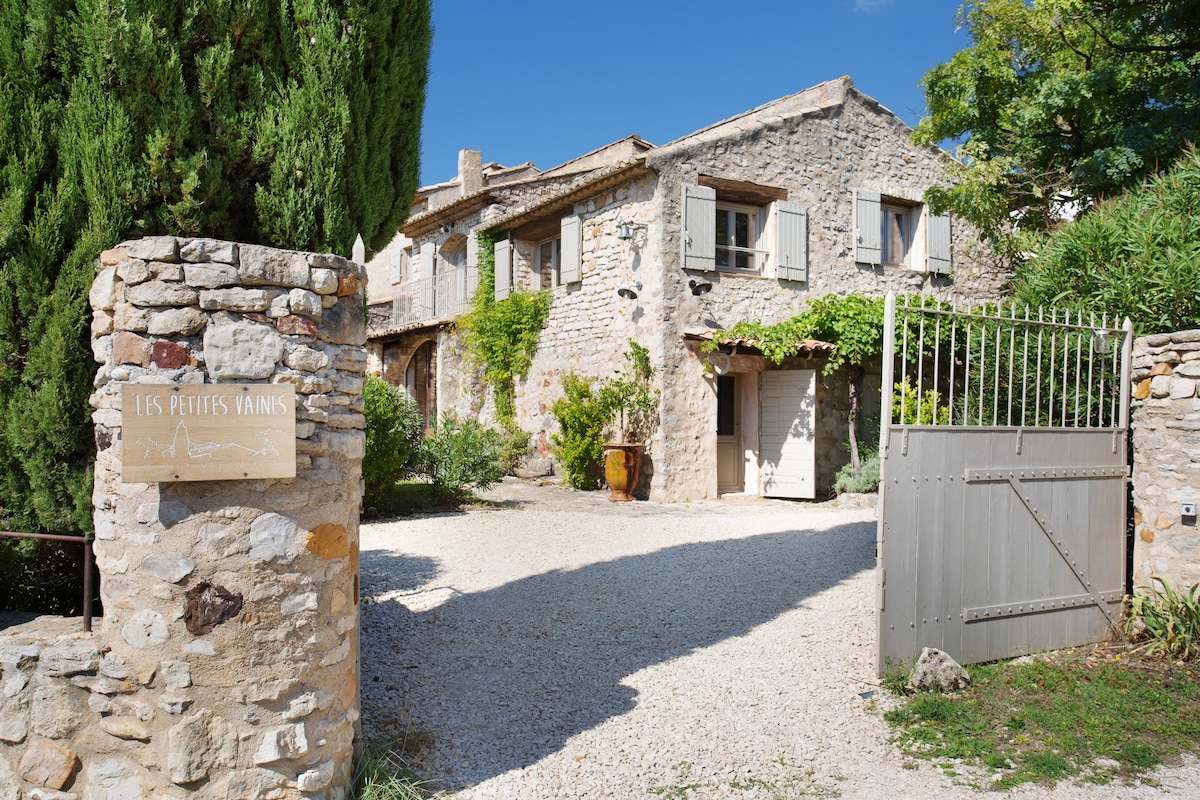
x=547, y=80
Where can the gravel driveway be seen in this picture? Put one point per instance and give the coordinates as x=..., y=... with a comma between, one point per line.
x=567, y=647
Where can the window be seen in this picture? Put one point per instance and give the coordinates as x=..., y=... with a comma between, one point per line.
x=543, y=254
x=547, y=263
x=737, y=229
x=455, y=253
x=896, y=233
x=725, y=228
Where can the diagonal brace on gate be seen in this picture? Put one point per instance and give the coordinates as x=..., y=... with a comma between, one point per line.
x=1013, y=478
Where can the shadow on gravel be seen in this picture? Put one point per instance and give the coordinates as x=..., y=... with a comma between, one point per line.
x=386, y=572
x=523, y=667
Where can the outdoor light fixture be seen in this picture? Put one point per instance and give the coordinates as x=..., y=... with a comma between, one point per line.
x=1104, y=341
x=630, y=292
x=627, y=231
x=699, y=288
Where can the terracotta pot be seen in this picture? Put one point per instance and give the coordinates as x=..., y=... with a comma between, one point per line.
x=622, y=467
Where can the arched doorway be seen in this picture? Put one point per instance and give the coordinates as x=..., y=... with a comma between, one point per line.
x=421, y=380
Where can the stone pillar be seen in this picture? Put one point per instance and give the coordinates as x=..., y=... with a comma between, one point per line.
x=1166, y=458
x=227, y=662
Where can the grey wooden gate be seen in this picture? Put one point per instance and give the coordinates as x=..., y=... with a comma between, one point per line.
x=1003, y=469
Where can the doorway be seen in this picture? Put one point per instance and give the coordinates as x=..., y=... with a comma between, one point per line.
x=730, y=476
x=421, y=380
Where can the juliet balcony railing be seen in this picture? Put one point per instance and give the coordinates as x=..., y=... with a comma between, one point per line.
x=445, y=294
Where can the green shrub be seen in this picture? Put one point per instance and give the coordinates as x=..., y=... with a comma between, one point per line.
x=588, y=406
x=394, y=431
x=582, y=416
x=629, y=397
x=918, y=409
x=1135, y=254
x=868, y=481
x=461, y=455
x=1171, y=620
x=516, y=446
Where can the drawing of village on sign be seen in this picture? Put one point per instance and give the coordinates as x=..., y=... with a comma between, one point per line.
x=171, y=451
x=208, y=433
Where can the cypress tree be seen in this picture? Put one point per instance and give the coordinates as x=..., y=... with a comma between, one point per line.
x=291, y=124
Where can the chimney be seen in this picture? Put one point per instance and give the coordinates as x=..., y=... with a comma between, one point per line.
x=470, y=171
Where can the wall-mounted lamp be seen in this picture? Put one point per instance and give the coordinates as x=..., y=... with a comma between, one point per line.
x=630, y=292
x=1103, y=340
x=704, y=287
x=626, y=231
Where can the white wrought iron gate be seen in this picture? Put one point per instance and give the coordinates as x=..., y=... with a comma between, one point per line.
x=1003, y=470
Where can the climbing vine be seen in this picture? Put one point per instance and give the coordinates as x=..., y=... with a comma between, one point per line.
x=853, y=324
x=501, y=336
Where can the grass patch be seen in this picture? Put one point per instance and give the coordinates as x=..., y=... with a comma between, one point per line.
x=382, y=771
x=1086, y=717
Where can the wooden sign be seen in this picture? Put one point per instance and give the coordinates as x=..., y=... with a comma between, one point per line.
x=207, y=432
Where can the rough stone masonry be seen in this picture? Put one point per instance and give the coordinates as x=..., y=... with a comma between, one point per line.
x=1166, y=458
x=227, y=662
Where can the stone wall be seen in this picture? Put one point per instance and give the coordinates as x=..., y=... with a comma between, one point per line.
x=226, y=665
x=1166, y=458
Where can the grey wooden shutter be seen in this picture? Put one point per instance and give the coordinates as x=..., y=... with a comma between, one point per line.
x=866, y=227
x=503, y=268
x=396, y=272
x=937, y=243
x=427, y=297
x=472, y=251
x=471, y=280
x=426, y=264
x=570, y=262
x=791, y=241
x=699, y=227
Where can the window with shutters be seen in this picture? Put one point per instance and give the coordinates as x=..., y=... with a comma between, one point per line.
x=891, y=232
x=743, y=228
x=543, y=254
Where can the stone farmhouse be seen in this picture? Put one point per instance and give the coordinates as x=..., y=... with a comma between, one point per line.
x=815, y=193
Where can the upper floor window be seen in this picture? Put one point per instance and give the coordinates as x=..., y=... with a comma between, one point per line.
x=898, y=233
x=725, y=228
x=547, y=260
x=737, y=230
x=454, y=251
x=548, y=263
x=896, y=225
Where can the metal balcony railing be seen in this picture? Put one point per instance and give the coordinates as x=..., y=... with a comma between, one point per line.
x=446, y=294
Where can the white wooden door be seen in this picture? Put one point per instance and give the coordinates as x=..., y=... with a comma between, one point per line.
x=789, y=404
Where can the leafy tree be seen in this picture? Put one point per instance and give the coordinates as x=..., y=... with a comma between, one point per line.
x=1136, y=255
x=853, y=324
x=1061, y=103
x=293, y=125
